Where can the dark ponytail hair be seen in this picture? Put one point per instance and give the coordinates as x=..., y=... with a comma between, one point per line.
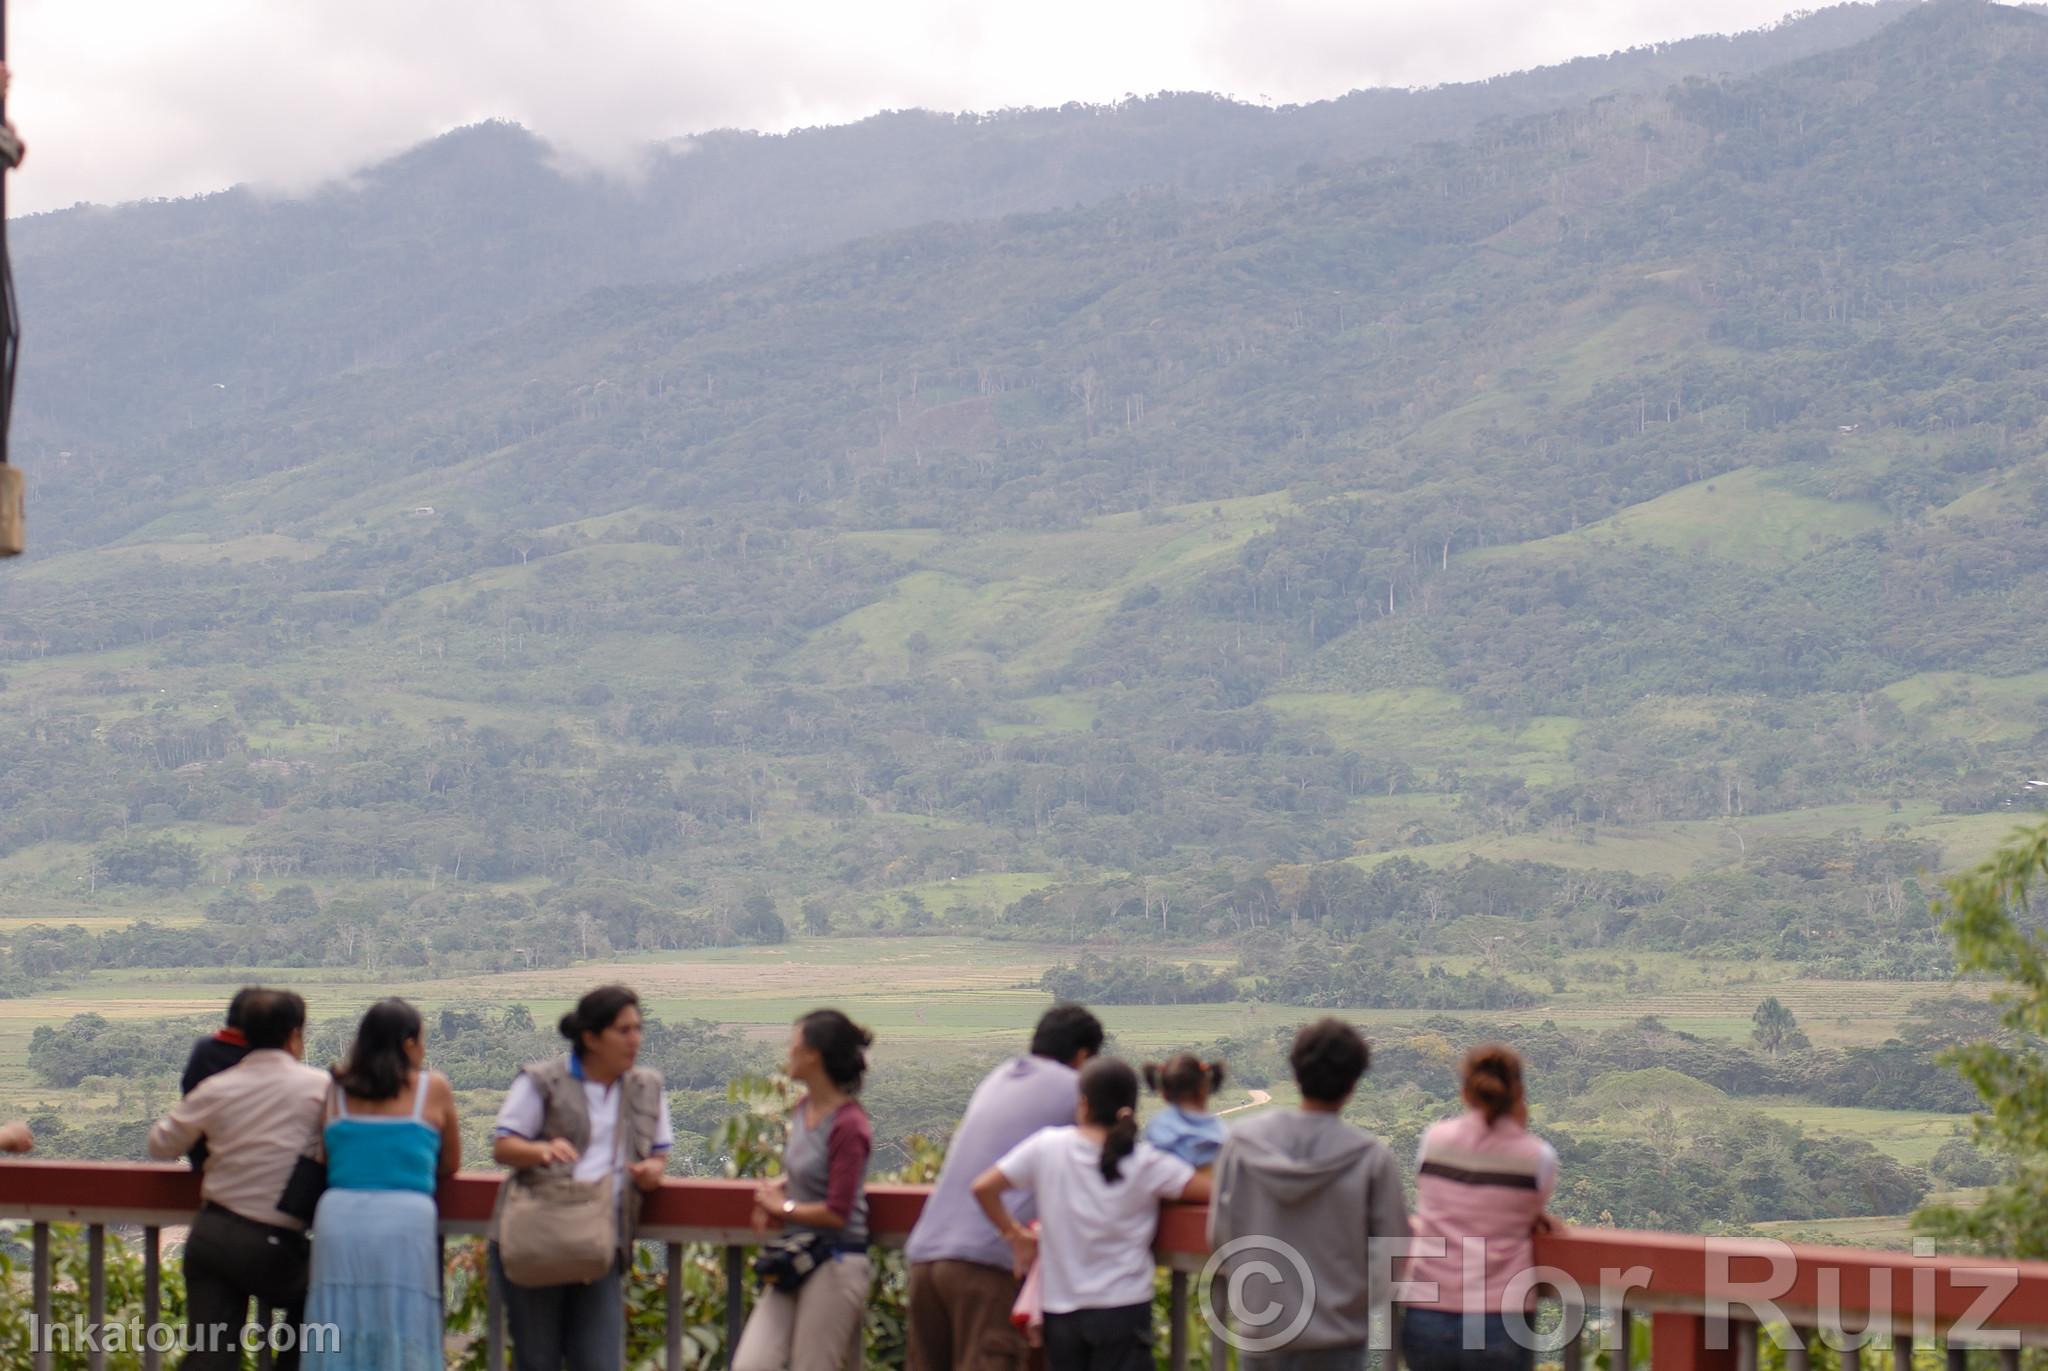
x=841, y=1043
x=1183, y=1076
x=596, y=1012
x=1493, y=1081
x=376, y=1067
x=1109, y=1091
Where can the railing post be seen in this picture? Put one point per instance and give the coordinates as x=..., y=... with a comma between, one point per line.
x=494, y=1317
x=2008, y=1359
x=1746, y=1335
x=735, y=1301
x=1797, y=1357
x=1177, y=1329
x=45, y=1357
x=152, y=1297
x=1678, y=1342
x=1902, y=1352
x=1219, y=1350
x=1958, y=1358
x=1624, y=1345
x=673, y=1314
x=96, y=1293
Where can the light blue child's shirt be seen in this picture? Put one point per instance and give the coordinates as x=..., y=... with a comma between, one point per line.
x=1194, y=1138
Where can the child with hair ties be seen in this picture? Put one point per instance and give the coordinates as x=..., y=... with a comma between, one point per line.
x=1098, y=1188
x=1185, y=1127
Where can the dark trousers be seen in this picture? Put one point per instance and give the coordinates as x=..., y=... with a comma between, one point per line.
x=1437, y=1340
x=580, y=1327
x=230, y=1260
x=1118, y=1339
x=1350, y=1357
x=960, y=1319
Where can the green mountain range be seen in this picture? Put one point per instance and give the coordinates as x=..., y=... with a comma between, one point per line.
x=1606, y=502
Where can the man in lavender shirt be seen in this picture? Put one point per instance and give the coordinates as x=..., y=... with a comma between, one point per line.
x=961, y=1284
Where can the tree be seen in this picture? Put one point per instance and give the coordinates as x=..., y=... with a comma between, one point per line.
x=759, y=921
x=161, y=861
x=817, y=918
x=1775, y=1027
x=1990, y=920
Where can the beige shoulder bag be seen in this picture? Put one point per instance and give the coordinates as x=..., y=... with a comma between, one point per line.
x=557, y=1230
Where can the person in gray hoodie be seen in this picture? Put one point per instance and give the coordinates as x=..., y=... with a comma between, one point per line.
x=1303, y=1194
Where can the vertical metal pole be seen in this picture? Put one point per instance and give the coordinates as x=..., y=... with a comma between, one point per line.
x=96, y=1293
x=1177, y=1327
x=1958, y=1358
x=1625, y=1346
x=2008, y=1359
x=1902, y=1352
x=1219, y=1350
x=674, y=1326
x=494, y=1316
x=44, y=1359
x=1747, y=1335
x=735, y=1300
x=152, y=1297
x=13, y=530
x=1797, y=1358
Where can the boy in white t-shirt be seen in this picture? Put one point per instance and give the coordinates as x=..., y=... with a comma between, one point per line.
x=1098, y=1189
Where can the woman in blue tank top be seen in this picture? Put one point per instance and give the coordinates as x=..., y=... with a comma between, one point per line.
x=392, y=1134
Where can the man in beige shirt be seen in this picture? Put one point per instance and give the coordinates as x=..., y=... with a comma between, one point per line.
x=256, y=1118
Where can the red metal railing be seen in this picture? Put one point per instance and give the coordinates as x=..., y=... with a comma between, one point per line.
x=1706, y=1298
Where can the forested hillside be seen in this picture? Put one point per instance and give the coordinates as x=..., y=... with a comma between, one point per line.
x=1389, y=528
x=171, y=313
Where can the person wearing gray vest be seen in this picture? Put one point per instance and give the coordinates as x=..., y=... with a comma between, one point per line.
x=594, y=1114
x=822, y=1193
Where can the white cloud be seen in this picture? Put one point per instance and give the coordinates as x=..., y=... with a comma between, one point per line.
x=120, y=99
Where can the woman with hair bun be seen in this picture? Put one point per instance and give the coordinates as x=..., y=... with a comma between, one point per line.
x=1098, y=1187
x=1482, y=1175
x=591, y=1114
x=821, y=1195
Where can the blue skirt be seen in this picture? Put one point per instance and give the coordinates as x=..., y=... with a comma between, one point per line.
x=373, y=1302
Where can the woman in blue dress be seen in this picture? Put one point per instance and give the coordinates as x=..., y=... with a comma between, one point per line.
x=390, y=1136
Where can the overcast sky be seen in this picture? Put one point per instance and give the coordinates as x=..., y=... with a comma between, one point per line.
x=120, y=99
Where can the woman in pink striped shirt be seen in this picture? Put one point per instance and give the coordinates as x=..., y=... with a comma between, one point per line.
x=1482, y=1180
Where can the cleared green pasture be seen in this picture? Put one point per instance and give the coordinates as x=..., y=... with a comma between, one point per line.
x=1972, y=708
x=1007, y=606
x=1678, y=847
x=1589, y=343
x=988, y=892
x=1911, y=1136
x=1892, y=1231
x=1426, y=726
x=1745, y=515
